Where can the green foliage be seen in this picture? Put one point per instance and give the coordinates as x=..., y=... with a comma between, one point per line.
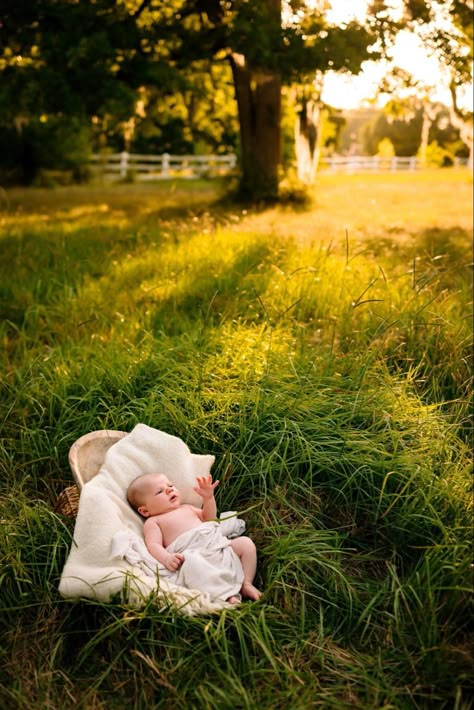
x=436, y=156
x=96, y=67
x=332, y=127
x=385, y=148
x=403, y=134
x=92, y=59
x=401, y=123
x=49, y=143
x=331, y=379
x=62, y=61
x=58, y=59
x=198, y=117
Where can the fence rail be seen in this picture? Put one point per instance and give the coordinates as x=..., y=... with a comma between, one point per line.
x=362, y=163
x=375, y=163
x=154, y=167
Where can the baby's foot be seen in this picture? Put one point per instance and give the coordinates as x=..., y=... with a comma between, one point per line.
x=249, y=591
x=233, y=600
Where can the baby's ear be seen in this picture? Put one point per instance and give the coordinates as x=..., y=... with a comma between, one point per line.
x=143, y=511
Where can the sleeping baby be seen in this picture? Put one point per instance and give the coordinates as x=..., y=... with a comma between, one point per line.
x=187, y=540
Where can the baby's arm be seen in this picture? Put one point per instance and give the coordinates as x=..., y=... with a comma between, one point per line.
x=205, y=489
x=154, y=542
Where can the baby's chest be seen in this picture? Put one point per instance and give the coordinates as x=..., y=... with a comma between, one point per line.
x=184, y=517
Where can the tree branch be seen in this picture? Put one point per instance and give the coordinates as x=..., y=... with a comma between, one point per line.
x=140, y=9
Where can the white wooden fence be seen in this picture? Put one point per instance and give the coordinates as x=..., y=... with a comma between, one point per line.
x=155, y=167
x=363, y=163
x=374, y=163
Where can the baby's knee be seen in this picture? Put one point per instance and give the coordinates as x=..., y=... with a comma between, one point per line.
x=243, y=544
x=249, y=543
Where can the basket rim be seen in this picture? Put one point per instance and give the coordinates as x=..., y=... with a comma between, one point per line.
x=97, y=435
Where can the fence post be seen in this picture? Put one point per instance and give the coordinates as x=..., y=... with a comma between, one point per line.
x=123, y=164
x=165, y=165
x=102, y=163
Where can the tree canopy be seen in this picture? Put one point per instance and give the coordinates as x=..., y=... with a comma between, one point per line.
x=91, y=59
x=61, y=56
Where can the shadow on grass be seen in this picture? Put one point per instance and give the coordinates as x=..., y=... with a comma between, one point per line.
x=46, y=262
x=215, y=294
x=38, y=268
x=446, y=250
x=41, y=263
x=174, y=199
x=454, y=244
x=132, y=199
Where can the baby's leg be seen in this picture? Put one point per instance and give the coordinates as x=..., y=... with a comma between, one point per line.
x=245, y=549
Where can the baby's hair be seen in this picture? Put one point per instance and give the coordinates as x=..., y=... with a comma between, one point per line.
x=133, y=492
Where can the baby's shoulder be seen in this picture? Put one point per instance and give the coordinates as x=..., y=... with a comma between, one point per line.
x=152, y=521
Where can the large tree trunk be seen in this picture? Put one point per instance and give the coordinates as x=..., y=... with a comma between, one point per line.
x=258, y=98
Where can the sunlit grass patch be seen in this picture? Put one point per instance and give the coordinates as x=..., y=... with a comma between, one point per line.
x=329, y=371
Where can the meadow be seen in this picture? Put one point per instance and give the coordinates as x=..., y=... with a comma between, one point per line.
x=323, y=354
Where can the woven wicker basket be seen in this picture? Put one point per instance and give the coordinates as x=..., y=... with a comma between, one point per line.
x=68, y=502
x=87, y=454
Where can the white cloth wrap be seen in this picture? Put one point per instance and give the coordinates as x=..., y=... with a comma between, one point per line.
x=210, y=564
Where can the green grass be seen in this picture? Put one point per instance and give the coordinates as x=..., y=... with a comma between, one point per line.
x=324, y=357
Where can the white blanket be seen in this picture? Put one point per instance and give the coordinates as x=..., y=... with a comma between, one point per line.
x=90, y=570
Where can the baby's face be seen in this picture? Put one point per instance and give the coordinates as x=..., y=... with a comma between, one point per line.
x=158, y=495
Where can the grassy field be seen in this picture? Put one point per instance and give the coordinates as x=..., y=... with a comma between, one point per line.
x=323, y=355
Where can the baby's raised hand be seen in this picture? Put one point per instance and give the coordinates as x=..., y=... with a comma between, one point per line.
x=174, y=562
x=205, y=487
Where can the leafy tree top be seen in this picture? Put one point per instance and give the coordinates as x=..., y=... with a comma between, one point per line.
x=67, y=56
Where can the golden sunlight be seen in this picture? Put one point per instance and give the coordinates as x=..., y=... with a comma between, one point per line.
x=347, y=92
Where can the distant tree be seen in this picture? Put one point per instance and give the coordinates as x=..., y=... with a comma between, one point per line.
x=462, y=119
x=445, y=29
x=318, y=129
x=409, y=97
x=457, y=51
x=58, y=144
x=350, y=141
x=332, y=128
x=404, y=134
x=404, y=123
x=62, y=59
